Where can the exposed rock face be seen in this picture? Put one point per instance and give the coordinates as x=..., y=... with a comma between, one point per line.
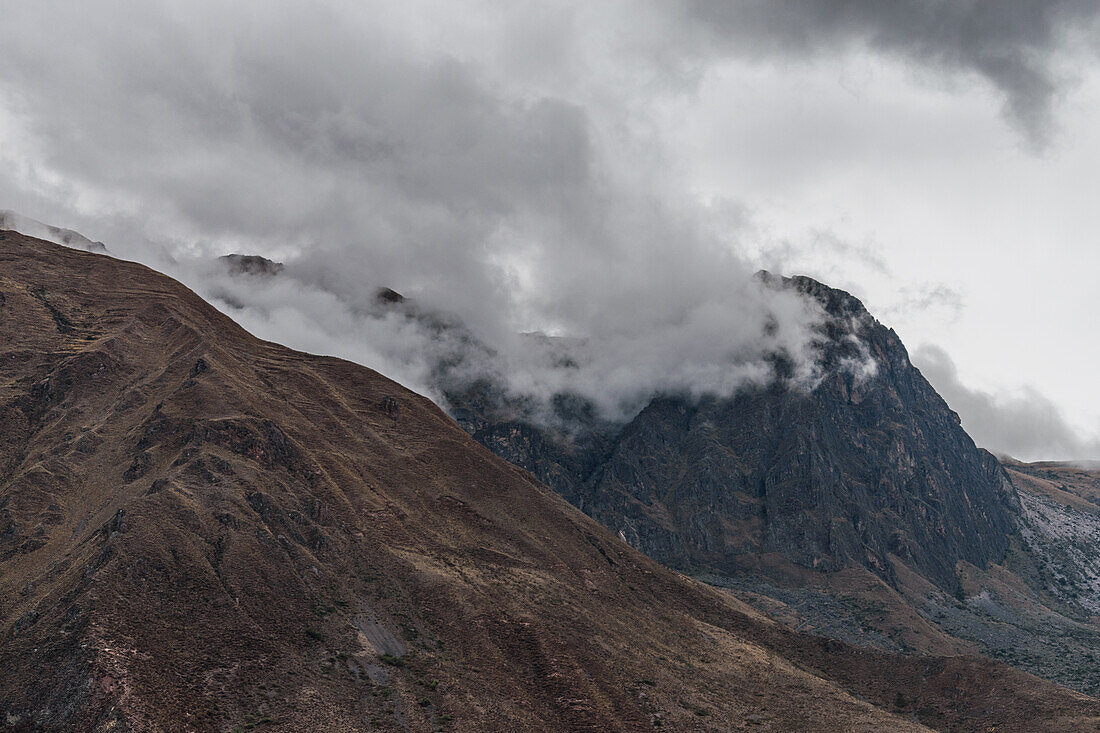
x=239, y=264
x=1062, y=527
x=867, y=475
x=869, y=463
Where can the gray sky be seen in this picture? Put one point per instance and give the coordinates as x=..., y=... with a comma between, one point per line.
x=613, y=170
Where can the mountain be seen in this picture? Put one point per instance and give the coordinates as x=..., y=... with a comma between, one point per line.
x=860, y=470
x=11, y=221
x=200, y=530
x=1072, y=484
x=1062, y=526
x=239, y=264
x=858, y=509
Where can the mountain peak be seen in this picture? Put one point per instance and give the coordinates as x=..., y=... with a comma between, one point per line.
x=868, y=466
x=836, y=302
x=251, y=265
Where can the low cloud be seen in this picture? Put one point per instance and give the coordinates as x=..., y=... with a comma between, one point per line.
x=503, y=163
x=352, y=143
x=714, y=345
x=1022, y=424
x=938, y=298
x=824, y=252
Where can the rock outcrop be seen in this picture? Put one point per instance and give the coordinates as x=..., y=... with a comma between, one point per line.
x=867, y=464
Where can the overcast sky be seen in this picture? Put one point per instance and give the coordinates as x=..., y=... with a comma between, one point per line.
x=612, y=170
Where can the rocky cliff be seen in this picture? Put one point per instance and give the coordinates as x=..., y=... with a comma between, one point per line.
x=866, y=464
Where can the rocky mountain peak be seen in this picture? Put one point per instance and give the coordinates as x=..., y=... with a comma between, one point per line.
x=868, y=468
x=240, y=264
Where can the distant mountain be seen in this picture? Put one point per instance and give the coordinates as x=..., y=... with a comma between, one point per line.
x=858, y=471
x=1062, y=526
x=11, y=221
x=251, y=264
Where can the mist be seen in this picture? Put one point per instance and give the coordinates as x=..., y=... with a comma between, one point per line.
x=506, y=167
x=366, y=157
x=724, y=339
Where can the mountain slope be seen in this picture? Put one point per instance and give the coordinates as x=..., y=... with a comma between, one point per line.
x=200, y=530
x=858, y=509
x=868, y=465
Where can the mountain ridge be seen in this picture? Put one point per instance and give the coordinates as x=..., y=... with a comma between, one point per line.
x=200, y=530
x=868, y=470
x=906, y=417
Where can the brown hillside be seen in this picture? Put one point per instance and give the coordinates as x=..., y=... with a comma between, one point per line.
x=1075, y=485
x=201, y=531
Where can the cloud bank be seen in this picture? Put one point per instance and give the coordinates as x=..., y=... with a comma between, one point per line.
x=500, y=162
x=368, y=155
x=1022, y=424
x=716, y=344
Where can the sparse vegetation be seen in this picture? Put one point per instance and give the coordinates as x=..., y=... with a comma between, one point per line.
x=252, y=723
x=63, y=324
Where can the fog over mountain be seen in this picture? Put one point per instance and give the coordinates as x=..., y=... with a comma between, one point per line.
x=521, y=167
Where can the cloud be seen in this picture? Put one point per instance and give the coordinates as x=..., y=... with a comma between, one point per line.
x=1012, y=45
x=824, y=250
x=500, y=162
x=851, y=265
x=1023, y=424
x=938, y=298
x=351, y=142
x=714, y=345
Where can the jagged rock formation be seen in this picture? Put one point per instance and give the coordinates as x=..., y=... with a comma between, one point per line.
x=867, y=465
x=858, y=509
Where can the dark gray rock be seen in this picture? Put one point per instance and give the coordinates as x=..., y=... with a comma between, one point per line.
x=239, y=264
x=857, y=468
